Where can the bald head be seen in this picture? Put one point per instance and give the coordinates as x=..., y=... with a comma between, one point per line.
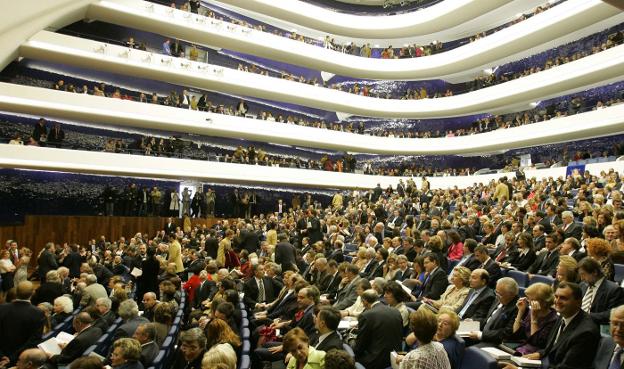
x=31, y=358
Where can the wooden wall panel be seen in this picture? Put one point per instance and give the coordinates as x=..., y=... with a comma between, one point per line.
x=38, y=230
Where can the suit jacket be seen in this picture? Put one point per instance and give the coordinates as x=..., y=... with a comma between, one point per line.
x=47, y=292
x=499, y=324
x=283, y=307
x=539, y=242
x=286, y=256
x=127, y=328
x=206, y=291
x=574, y=230
x=73, y=261
x=23, y=323
x=377, y=336
x=76, y=347
x=435, y=285
x=47, y=261
x=545, y=264
x=314, y=231
x=333, y=282
x=608, y=296
x=250, y=288
x=493, y=270
x=368, y=269
x=347, y=295
x=571, y=350
x=480, y=307
x=148, y=353
x=91, y=293
x=306, y=322
x=249, y=241
x=377, y=271
x=333, y=341
x=522, y=262
x=471, y=263
x=400, y=275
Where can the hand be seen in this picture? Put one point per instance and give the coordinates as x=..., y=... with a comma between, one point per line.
x=510, y=366
x=475, y=336
x=399, y=358
x=4, y=361
x=62, y=345
x=532, y=356
x=522, y=304
x=276, y=349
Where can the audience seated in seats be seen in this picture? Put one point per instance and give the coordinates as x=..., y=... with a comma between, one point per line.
x=468, y=259
x=378, y=332
x=524, y=256
x=191, y=350
x=163, y=319
x=129, y=313
x=218, y=332
x=48, y=290
x=546, y=262
x=429, y=354
x=498, y=326
x=92, y=291
x=574, y=335
x=347, y=293
x=479, y=299
x=600, y=295
x=86, y=335
x=358, y=307
x=338, y=359
x=326, y=323
x=146, y=335
x=535, y=319
x=395, y=296
x=63, y=308
x=87, y=362
x=220, y=355
x=492, y=268
x=297, y=344
x=600, y=250
x=149, y=305
x=258, y=290
x=126, y=354
x=456, y=293
x=567, y=270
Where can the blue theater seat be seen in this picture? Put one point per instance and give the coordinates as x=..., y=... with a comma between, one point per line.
x=619, y=272
x=521, y=277
x=475, y=358
x=245, y=362
x=541, y=278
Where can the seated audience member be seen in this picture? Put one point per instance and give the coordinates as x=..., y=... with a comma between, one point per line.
x=296, y=343
x=92, y=291
x=126, y=354
x=575, y=337
x=404, y=272
x=493, y=269
x=63, y=308
x=107, y=316
x=338, y=359
x=524, y=257
x=546, y=262
x=378, y=332
x=48, y=290
x=479, y=299
x=535, y=319
x=600, y=250
x=21, y=321
x=357, y=308
x=395, y=296
x=456, y=293
x=191, y=350
x=429, y=354
x=218, y=332
x=225, y=310
x=326, y=322
x=617, y=332
x=567, y=270
x=417, y=279
x=347, y=295
x=436, y=280
x=149, y=305
x=146, y=335
x=129, y=313
x=86, y=335
x=32, y=358
x=600, y=295
x=468, y=259
x=498, y=325
x=259, y=289
x=163, y=319
x=219, y=354
x=572, y=247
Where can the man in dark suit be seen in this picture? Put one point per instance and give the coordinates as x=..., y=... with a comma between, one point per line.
x=493, y=269
x=404, y=272
x=313, y=227
x=599, y=294
x=249, y=239
x=436, y=280
x=370, y=264
x=617, y=332
x=146, y=334
x=572, y=247
x=546, y=262
x=378, y=332
x=380, y=256
x=326, y=322
x=539, y=239
x=468, y=259
x=479, y=299
x=129, y=312
x=285, y=253
x=206, y=291
x=258, y=289
x=498, y=326
x=21, y=321
x=170, y=226
x=333, y=279
x=573, y=342
x=86, y=335
x=107, y=316
x=47, y=261
x=318, y=274
x=569, y=227
x=73, y=261
x=348, y=294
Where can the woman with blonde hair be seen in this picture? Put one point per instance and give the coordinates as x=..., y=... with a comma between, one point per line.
x=535, y=319
x=567, y=270
x=221, y=353
x=456, y=293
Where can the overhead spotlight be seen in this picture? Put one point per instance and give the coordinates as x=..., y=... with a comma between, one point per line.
x=185, y=65
x=165, y=61
x=200, y=20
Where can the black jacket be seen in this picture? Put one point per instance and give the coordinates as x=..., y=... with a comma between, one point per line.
x=571, y=350
x=77, y=346
x=378, y=334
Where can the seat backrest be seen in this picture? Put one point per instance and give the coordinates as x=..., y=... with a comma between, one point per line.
x=245, y=362
x=604, y=352
x=348, y=349
x=246, y=333
x=619, y=272
x=159, y=360
x=475, y=358
x=521, y=277
x=536, y=278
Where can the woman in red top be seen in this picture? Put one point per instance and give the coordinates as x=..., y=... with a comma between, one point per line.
x=456, y=249
x=191, y=286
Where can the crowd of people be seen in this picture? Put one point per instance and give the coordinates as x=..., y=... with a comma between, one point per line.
x=375, y=272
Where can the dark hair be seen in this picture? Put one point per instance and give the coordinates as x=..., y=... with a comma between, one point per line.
x=331, y=316
x=231, y=296
x=228, y=284
x=485, y=276
x=339, y=359
x=433, y=257
x=591, y=266
x=576, y=289
x=383, y=252
x=226, y=308
x=454, y=236
x=470, y=244
x=396, y=291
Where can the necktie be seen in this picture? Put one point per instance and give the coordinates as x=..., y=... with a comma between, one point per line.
x=501, y=255
x=473, y=296
x=261, y=296
x=561, y=329
x=616, y=362
x=588, y=298
x=492, y=317
x=422, y=290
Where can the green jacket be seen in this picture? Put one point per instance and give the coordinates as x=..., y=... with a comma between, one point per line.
x=316, y=360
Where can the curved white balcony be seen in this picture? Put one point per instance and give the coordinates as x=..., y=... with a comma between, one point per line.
x=445, y=21
x=123, y=113
x=88, y=162
x=596, y=69
x=546, y=30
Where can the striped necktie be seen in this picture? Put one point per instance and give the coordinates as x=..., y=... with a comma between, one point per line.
x=588, y=298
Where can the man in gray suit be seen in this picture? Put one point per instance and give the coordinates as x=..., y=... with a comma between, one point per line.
x=92, y=292
x=145, y=334
x=129, y=312
x=348, y=294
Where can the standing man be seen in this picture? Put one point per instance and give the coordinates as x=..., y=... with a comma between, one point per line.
x=285, y=253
